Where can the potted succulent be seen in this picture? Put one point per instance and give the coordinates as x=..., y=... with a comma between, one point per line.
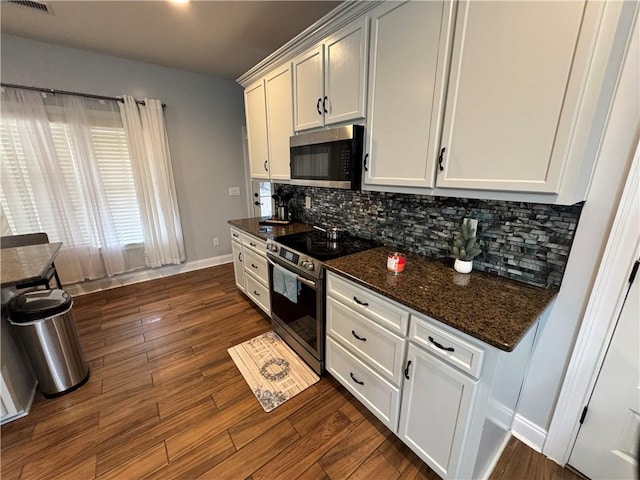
x=465, y=248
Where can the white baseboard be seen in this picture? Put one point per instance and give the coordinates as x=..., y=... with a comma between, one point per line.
x=101, y=284
x=529, y=433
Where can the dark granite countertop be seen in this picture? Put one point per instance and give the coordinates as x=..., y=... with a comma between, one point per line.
x=267, y=232
x=495, y=310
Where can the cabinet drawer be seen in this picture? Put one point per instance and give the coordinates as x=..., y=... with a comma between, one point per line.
x=256, y=265
x=258, y=293
x=374, y=306
x=377, y=394
x=377, y=346
x=259, y=245
x=236, y=235
x=447, y=345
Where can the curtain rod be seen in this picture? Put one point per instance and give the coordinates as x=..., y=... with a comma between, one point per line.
x=64, y=92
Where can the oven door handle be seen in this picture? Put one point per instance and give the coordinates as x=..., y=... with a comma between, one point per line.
x=300, y=279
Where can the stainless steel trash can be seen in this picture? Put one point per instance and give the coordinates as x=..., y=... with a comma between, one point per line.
x=43, y=322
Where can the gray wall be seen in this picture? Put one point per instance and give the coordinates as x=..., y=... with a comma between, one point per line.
x=204, y=119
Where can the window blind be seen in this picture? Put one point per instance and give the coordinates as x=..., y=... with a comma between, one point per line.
x=23, y=182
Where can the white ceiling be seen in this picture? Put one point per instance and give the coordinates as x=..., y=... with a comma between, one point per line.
x=219, y=38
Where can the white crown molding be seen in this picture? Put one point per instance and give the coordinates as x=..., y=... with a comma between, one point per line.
x=330, y=23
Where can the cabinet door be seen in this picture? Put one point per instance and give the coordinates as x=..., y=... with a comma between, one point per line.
x=510, y=70
x=308, y=89
x=407, y=67
x=279, y=121
x=345, y=73
x=436, y=404
x=256, y=113
x=238, y=264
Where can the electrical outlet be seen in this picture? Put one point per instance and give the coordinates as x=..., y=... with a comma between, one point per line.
x=234, y=191
x=216, y=241
x=473, y=222
x=307, y=202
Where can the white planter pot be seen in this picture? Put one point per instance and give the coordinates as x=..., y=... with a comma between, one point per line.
x=462, y=266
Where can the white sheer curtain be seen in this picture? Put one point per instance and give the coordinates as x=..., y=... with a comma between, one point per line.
x=51, y=181
x=147, y=138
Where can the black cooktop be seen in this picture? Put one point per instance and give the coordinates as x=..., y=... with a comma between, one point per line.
x=316, y=245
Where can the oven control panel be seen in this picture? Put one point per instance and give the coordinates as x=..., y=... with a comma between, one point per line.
x=289, y=256
x=297, y=259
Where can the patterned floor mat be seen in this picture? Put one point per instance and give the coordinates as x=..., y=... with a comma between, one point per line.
x=272, y=370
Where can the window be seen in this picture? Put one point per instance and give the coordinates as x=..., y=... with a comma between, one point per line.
x=22, y=181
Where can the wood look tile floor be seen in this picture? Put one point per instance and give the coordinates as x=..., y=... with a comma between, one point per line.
x=165, y=401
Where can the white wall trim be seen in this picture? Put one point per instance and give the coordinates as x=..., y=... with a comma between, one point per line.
x=101, y=284
x=528, y=432
x=605, y=304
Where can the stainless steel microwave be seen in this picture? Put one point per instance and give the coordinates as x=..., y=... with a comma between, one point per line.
x=328, y=158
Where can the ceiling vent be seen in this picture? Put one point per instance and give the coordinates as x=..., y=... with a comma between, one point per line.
x=33, y=4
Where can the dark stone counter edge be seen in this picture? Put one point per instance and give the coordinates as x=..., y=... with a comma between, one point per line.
x=506, y=347
x=267, y=232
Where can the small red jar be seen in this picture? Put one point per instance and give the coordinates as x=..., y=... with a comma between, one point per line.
x=396, y=262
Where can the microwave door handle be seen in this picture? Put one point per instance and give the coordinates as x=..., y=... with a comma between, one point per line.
x=300, y=279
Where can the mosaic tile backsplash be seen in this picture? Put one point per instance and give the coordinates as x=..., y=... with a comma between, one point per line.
x=524, y=241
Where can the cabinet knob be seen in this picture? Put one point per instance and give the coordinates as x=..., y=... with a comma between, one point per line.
x=265, y=166
x=366, y=167
x=441, y=159
x=318, y=106
x=324, y=105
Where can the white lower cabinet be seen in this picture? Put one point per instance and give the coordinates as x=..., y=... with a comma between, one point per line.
x=436, y=403
x=257, y=292
x=238, y=266
x=250, y=268
x=448, y=396
x=376, y=393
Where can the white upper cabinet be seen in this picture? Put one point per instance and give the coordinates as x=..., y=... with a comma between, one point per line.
x=279, y=121
x=506, y=109
x=407, y=73
x=269, y=112
x=308, y=89
x=256, y=116
x=329, y=81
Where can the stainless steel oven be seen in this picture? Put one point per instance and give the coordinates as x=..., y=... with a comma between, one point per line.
x=300, y=324
x=297, y=312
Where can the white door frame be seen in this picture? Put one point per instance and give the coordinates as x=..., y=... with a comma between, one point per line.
x=605, y=304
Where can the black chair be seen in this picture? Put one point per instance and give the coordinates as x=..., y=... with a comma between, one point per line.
x=32, y=239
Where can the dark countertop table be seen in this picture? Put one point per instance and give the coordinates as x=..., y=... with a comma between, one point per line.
x=267, y=232
x=495, y=310
x=29, y=262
